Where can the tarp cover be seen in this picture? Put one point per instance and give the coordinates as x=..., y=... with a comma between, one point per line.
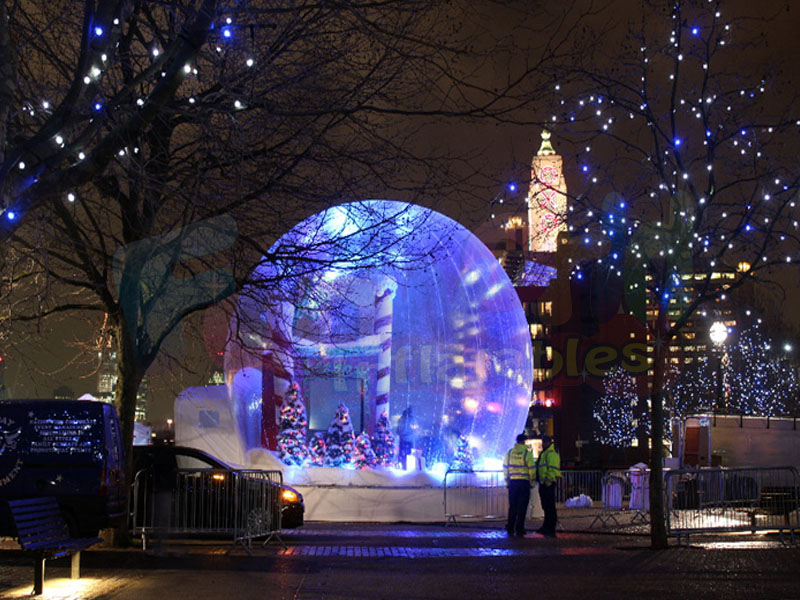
x=204, y=420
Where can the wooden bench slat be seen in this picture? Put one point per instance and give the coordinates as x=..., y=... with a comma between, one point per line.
x=41, y=529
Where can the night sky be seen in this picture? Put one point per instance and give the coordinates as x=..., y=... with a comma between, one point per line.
x=506, y=151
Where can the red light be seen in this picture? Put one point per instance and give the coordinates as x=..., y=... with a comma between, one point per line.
x=548, y=403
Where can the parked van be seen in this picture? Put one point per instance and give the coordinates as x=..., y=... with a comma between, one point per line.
x=68, y=449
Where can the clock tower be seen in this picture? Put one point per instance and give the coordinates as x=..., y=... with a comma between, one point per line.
x=547, y=198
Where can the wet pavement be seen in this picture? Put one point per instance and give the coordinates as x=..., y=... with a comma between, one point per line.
x=338, y=561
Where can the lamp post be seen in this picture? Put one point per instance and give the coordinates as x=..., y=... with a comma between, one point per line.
x=718, y=334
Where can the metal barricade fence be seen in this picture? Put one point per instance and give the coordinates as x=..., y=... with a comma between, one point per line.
x=474, y=495
x=736, y=499
x=483, y=494
x=575, y=482
x=241, y=504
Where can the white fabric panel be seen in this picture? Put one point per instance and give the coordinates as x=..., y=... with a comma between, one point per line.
x=204, y=420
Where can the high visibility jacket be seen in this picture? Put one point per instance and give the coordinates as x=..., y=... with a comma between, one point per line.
x=519, y=463
x=548, y=466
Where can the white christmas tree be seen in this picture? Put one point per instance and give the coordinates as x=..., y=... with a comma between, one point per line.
x=613, y=413
x=463, y=458
x=340, y=439
x=761, y=380
x=292, y=446
x=383, y=441
x=364, y=454
x=318, y=449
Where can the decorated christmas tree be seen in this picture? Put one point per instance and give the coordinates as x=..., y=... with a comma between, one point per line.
x=340, y=439
x=383, y=441
x=318, y=449
x=463, y=457
x=292, y=446
x=615, y=424
x=365, y=456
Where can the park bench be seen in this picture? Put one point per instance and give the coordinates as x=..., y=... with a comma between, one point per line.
x=42, y=530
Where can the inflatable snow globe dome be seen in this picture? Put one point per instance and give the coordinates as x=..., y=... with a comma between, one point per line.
x=385, y=306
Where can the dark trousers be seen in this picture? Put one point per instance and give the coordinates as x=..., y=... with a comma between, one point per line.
x=519, y=493
x=547, y=494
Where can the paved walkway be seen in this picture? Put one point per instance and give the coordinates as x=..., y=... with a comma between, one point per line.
x=338, y=561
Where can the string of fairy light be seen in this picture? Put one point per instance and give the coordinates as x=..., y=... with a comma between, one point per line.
x=73, y=145
x=758, y=377
x=696, y=138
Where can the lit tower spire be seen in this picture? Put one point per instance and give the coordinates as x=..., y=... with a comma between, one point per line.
x=547, y=198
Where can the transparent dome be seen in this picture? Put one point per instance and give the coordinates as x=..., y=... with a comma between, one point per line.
x=386, y=306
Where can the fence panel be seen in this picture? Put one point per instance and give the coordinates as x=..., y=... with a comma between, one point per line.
x=738, y=499
x=475, y=495
x=575, y=482
x=241, y=504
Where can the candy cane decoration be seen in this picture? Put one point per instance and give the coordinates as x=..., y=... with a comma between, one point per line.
x=383, y=331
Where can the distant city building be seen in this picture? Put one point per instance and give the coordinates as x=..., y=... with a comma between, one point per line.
x=107, y=384
x=583, y=326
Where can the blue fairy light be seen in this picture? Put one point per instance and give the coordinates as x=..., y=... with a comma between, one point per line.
x=695, y=30
x=98, y=106
x=98, y=31
x=585, y=168
x=11, y=215
x=227, y=33
x=678, y=142
x=512, y=187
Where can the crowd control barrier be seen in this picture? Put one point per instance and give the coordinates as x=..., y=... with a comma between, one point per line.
x=483, y=494
x=242, y=504
x=474, y=495
x=728, y=500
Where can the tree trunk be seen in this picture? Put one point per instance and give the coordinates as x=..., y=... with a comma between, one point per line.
x=129, y=377
x=658, y=528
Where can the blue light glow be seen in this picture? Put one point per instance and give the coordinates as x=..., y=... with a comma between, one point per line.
x=695, y=30
x=512, y=187
x=227, y=33
x=585, y=168
x=11, y=215
x=98, y=31
x=459, y=348
x=98, y=106
x=678, y=142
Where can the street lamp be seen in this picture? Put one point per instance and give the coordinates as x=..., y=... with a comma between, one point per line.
x=718, y=334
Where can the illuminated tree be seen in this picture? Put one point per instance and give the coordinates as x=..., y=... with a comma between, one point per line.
x=318, y=449
x=463, y=458
x=615, y=424
x=292, y=446
x=762, y=380
x=695, y=142
x=383, y=441
x=364, y=454
x=340, y=439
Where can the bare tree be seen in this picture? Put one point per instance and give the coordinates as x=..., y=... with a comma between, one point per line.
x=150, y=153
x=685, y=136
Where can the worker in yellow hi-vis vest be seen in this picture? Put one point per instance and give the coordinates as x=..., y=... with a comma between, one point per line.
x=548, y=470
x=518, y=470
